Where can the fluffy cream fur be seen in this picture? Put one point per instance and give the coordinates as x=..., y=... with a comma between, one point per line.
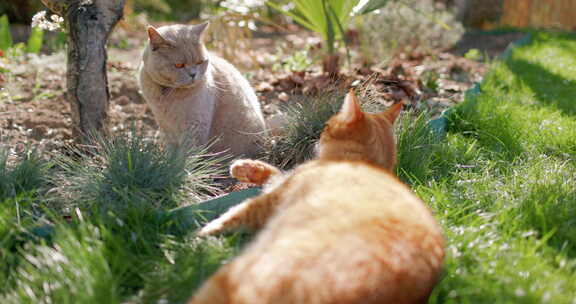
x=196, y=95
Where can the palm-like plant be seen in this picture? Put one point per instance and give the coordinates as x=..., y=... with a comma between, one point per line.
x=328, y=18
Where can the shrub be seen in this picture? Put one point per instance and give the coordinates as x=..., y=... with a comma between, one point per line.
x=129, y=174
x=307, y=117
x=305, y=121
x=412, y=25
x=27, y=174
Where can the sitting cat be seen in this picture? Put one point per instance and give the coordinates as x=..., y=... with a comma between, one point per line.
x=340, y=229
x=191, y=90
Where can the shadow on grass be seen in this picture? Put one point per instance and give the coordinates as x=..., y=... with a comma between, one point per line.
x=549, y=209
x=549, y=88
x=484, y=119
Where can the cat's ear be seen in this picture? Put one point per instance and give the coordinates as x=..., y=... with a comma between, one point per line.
x=350, y=111
x=156, y=40
x=200, y=29
x=393, y=112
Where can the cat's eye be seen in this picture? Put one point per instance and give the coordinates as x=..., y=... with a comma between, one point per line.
x=201, y=61
x=180, y=65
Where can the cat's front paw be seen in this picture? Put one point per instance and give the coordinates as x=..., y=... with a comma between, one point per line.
x=252, y=171
x=212, y=228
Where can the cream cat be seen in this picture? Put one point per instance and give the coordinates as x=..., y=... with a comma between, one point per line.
x=196, y=95
x=340, y=229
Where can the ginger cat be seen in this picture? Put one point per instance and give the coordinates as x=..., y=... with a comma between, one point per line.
x=193, y=93
x=340, y=229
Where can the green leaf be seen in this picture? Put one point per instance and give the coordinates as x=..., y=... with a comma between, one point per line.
x=341, y=30
x=330, y=36
x=314, y=15
x=298, y=19
x=372, y=5
x=5, y=36
x=343, y=9
x=473, y=54
x=35, y=41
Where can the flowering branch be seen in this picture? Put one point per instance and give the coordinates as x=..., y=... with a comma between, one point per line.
x=40, y=20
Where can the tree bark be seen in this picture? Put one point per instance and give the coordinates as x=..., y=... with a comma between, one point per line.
x=89, y=23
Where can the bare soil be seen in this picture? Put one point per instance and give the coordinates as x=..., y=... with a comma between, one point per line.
x=34, y=111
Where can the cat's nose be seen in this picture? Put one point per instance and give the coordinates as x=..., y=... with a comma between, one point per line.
x=192, y=75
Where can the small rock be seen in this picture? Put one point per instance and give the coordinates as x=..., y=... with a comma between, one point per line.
x=283, y=97
x=264, y=87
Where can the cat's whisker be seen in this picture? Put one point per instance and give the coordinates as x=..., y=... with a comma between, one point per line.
x=261, y=133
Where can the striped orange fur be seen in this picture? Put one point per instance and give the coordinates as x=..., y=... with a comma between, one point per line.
x=340, y=229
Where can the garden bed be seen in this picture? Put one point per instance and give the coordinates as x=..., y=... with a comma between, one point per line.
x=500, y=180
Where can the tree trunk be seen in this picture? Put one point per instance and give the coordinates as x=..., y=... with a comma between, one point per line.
x=89, y=27
x=478, y=13
x=89, y=23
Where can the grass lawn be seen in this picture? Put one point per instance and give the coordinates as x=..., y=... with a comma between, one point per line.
x=502, y=182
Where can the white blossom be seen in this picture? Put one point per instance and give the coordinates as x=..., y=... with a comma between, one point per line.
x=53, y=24
x=241, y=6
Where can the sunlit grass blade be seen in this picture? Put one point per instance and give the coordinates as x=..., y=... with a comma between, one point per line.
x=35, y=41
x=5, y=35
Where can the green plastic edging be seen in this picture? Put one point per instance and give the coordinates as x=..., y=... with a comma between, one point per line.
x=440, y=124
x=193, y=216
x=526, y=39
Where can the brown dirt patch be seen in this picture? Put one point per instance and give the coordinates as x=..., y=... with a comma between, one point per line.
x=34, y=111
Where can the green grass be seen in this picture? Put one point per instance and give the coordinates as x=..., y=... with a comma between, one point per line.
x=129, y=170
x=110, y=240
x=501, y=182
